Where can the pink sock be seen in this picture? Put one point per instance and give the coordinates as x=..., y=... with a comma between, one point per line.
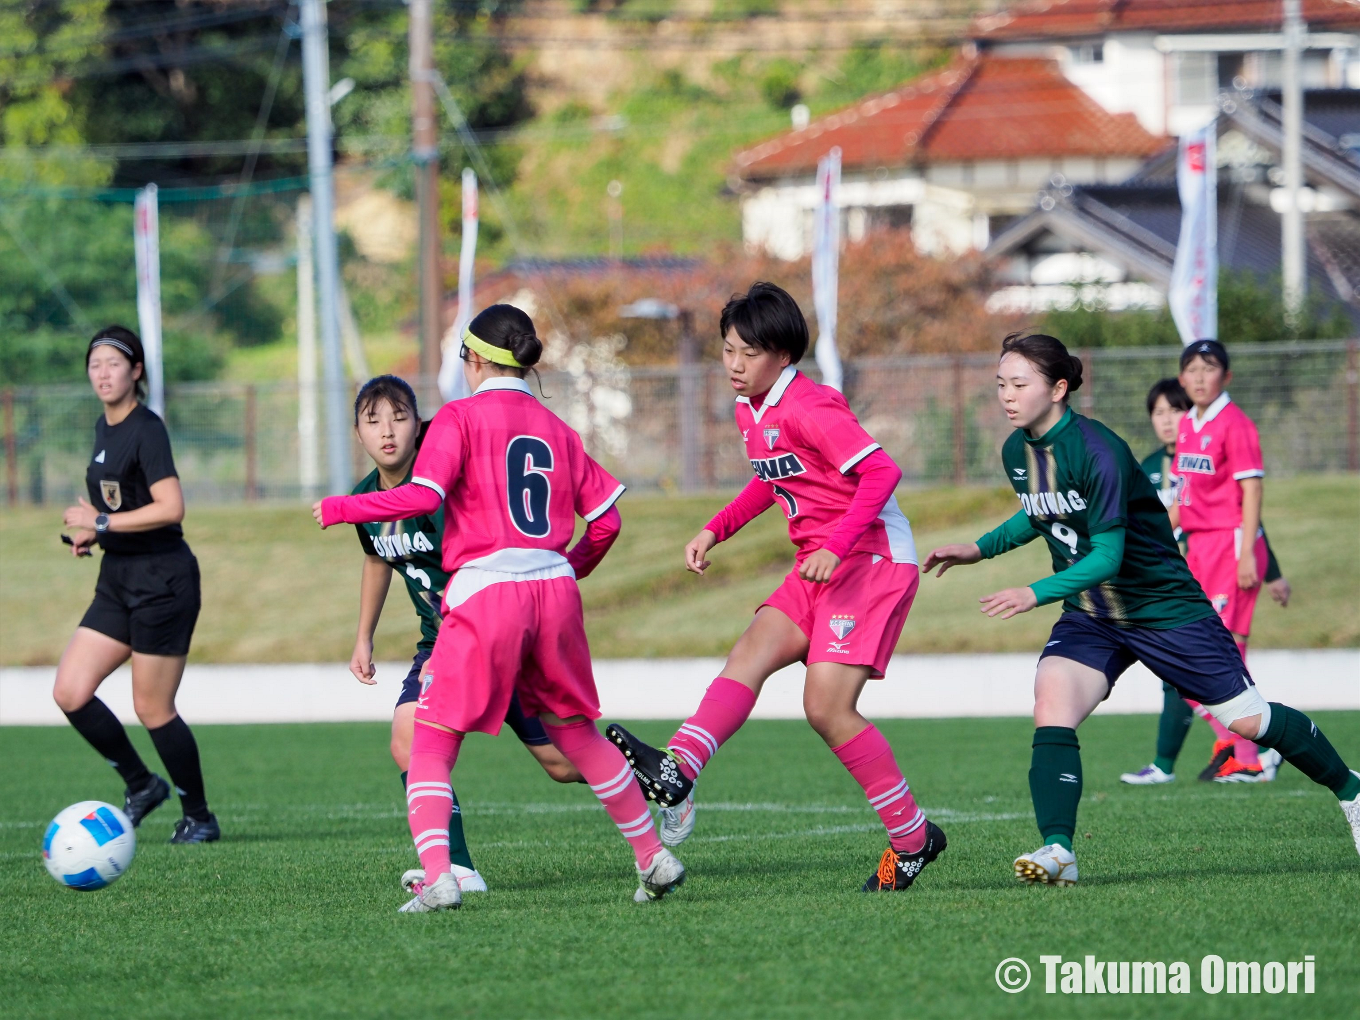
x=429, y=796
x=1244, y=750
x=870, y=760
x=604, y=767
x=725, y=707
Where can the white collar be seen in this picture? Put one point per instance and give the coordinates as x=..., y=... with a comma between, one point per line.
x=1197, y=423
x=505, y=382
x=776, y=392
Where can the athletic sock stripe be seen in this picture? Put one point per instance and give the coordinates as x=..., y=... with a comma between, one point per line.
x=643, y=819
x=615, y=790
x=429, y=786
x=637, y=830
x=909, y=827
x=690, y=760
x=893, y=794
x=431, y=832
x=625, y=771
x=701, y=735
x=444, y=794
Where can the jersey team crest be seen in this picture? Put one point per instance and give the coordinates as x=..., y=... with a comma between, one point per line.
x=841, y=625
x=112, y=493
x=771, y=437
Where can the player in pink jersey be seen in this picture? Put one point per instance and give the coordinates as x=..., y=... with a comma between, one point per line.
x=1218, y=502
x=512, y=478
x=842, y=607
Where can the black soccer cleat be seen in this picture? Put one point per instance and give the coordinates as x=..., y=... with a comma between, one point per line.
x=1223, y=750
x=137, y=804
x=657, y=769
x=192, y=830
x=897, y=871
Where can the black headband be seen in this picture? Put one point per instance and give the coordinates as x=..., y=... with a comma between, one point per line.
x=1210, y=348
x=100, y=341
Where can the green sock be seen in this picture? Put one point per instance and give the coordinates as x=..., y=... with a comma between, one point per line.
x=458, y=851
x=1172, y=728
x=1055, y=783
x=1302, y=744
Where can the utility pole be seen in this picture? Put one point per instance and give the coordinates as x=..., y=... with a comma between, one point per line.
x=309, y=470
x=1291, y=225
x=316, y=77
x=425, y=151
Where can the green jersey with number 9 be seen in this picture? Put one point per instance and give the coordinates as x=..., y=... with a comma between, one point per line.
x=1080, y=479
x=412, y=548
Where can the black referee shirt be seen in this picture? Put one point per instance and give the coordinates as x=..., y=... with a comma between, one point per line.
x=129, y=458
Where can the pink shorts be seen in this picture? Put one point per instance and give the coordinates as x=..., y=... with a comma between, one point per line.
x=525, y=636
x=857, y=616
x=1212, y=556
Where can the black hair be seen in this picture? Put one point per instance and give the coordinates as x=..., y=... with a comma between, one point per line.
x=1172, y=390
x=1048, y=355
x=126, y=342
x=1210, y=350
x=510, y=328
x=766, y=316
x=392, y=388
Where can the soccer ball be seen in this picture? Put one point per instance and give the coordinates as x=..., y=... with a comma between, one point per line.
x=89, y=845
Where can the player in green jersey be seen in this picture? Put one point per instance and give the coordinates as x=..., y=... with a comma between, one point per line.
x=1167, y=404
x=1127, y=596
x=389, y=429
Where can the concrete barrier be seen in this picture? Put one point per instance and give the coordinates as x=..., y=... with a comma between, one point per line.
x=917, y=686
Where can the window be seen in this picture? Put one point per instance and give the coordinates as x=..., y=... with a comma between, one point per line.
x=1196, y=78
x=1087, y=53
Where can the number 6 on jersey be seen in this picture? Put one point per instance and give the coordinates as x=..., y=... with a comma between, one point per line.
x=527, y=461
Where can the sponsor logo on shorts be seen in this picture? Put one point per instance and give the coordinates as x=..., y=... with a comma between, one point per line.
x=837, y=648
x=1195, y=463
x=771, y=437
x=1067, y=777
x=841, y=624
x=112, y=493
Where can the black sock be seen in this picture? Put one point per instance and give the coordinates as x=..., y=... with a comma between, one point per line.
x=1302, y=744
x=175, y=744
x=403, y=780
x=1172, y=728
x=1055, y=783
x=102, y=730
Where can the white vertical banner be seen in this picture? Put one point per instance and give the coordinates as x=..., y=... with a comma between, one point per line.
x=147, y=245
x=1193, y=295
x=452, y=385
x=309, y=456
x=826, y=246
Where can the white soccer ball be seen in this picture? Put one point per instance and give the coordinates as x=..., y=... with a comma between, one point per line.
x=89, y=845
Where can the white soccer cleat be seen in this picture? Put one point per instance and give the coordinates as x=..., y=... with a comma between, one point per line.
x=678, y=822
x=1049, y=865
x=665, y=874
x=1351, y=809
x=1150, y=776
x=444, y=894
x=1270, y=764
x=469, y=879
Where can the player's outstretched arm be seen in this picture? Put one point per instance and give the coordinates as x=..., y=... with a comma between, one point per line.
x=373, y=585
x=601, y=533
x=956, y=555
x=398, y=504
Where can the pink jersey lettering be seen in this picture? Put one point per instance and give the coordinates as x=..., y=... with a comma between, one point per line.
x=803, y=441
x=1213, y=454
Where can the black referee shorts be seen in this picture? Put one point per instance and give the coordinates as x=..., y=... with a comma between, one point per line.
x=148, y=600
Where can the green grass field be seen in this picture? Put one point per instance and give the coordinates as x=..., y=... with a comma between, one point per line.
x=292, y=914
x=277, y=590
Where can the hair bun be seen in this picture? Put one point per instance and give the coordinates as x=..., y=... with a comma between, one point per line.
x=1074, y=376
x=526, y=347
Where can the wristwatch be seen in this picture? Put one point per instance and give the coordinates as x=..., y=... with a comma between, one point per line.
x=101, y=523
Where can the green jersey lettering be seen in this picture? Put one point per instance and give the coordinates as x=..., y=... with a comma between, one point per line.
x=1081, y=479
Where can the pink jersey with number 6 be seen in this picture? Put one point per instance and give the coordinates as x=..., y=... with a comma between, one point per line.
x=1213, y=454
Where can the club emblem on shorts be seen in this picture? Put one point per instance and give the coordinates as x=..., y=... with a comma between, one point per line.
x=425, y=682
x=841, y=625
x=1219, y=602
x=112, y=493
x=771, y=437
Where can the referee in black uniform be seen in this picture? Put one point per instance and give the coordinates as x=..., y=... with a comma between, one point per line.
x=147, y=599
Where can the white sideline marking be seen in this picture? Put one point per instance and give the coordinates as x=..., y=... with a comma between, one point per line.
x=916, y=687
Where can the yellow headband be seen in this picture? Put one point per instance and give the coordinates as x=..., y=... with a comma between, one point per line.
x=498, y=355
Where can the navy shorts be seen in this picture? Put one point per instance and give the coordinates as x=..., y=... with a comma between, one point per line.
x=527, y=728
x=1199, y=659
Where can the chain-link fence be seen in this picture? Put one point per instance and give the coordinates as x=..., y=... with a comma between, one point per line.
x=936, y=415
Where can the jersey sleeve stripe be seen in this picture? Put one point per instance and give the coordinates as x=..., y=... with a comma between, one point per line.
x=417, y=480
x=603, y=507
x=1253, y=473
x=859, y=457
